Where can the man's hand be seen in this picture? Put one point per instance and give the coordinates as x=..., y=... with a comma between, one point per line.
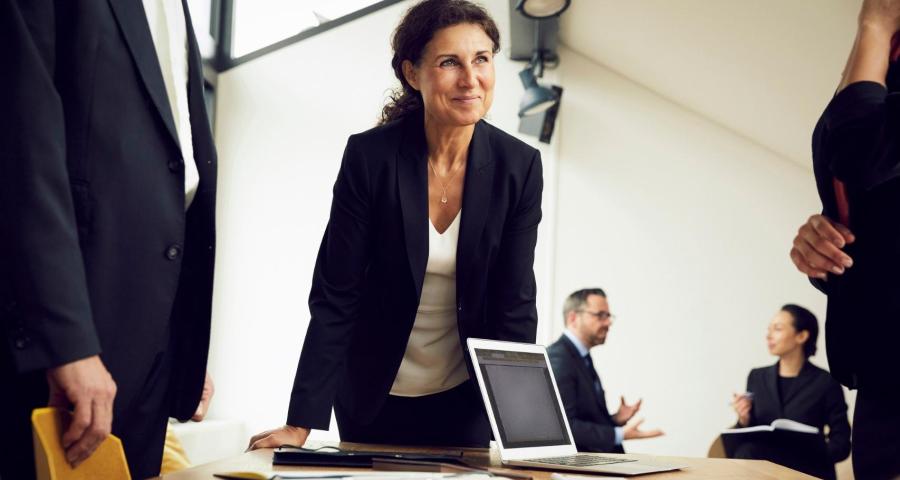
x=817, y=247
x=632, y=431
x=626, y=412
x=286, y=435
x=742, y=405
x=205, y=399
x=87, y=386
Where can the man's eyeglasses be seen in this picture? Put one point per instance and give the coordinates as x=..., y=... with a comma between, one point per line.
x=602, y=315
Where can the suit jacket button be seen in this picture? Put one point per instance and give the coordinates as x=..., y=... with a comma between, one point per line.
x=174, y=165
x=173, y=252
x=459, y=308
x=21, y=342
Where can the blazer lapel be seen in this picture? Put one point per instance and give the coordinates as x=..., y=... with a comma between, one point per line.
x=412, y=180
x=201, y=130
x=585, y=372
x=772, y=385
x=133, y=24
x=476, y=200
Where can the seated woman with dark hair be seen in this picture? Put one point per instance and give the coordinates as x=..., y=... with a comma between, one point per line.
x=797, y=390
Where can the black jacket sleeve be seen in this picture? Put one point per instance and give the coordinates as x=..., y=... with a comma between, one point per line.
x=512, y=303
x=335, y=296
x=589, y=436
x=854, y=132
x=838, y=425
x=47, y=317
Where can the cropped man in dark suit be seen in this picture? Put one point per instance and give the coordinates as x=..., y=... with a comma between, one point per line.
x=107, y=198
x=588, y=319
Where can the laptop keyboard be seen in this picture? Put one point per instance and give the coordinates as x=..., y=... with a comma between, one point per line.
x=580, y=460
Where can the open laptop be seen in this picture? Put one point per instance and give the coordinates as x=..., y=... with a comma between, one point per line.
x=527, y=415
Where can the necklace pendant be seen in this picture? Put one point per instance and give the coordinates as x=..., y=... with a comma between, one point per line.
x=443, y=199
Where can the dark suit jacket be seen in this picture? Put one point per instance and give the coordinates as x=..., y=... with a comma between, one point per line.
x=592, y=425
x=371, y=263
x=817, y=400
x=856, y=141
x=97, y=254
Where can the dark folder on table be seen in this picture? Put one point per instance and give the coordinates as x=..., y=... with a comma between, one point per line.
x=781, y=435
x=349, y=458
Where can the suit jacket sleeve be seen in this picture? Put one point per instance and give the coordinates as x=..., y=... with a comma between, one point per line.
x=514, y=295
x=47, y=314
x=335, y=296
x=852, y=135
x=589, y=436
x=838, y=425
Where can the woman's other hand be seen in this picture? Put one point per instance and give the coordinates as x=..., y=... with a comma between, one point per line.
x=817, y=247
x=742, y=405
x=286, y=435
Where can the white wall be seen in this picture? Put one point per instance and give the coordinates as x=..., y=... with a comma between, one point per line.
x=687, y=225
x=282, y=123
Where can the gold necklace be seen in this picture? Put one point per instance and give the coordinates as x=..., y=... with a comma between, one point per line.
x=442, y=184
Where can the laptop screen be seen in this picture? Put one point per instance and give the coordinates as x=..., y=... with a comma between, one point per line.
x=523, y=398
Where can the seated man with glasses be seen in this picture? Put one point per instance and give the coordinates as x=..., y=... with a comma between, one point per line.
x=587, y=318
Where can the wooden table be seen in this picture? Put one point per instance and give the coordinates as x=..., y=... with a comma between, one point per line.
x=698, y=468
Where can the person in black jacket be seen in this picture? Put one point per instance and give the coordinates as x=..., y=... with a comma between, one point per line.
x=852, y=250
x=588, y=320
x=797, y=390
x=107, y=214
x=430, y=241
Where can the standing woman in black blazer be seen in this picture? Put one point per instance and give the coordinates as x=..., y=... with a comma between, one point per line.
x=430, y=241
x=797, y=390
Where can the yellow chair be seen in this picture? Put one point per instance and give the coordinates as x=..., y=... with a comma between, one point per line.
x=717, y=449
x=48, y=425
x=174, y=456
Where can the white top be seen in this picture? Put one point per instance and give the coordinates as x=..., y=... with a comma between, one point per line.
x=433, y=361
x=167, y=27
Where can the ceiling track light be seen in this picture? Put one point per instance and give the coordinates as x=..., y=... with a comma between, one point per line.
x=541, y=9
x=537, y=98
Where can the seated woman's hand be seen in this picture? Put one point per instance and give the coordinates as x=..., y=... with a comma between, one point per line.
x=742, y=405
x=286, y=435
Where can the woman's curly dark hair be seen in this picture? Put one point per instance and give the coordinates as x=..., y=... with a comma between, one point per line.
x=414, y=32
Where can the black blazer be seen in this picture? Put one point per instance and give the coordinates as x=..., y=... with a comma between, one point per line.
x=592, y=425
x=817, y=400
x=856, y=141
x=97, y=254
x=371, y=263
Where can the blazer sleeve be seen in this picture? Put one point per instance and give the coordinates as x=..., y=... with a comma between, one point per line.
x=512, y=302
x=589, y=436
x=46, y=310
x=838, y=425
x=853, y=136
x=336, y=294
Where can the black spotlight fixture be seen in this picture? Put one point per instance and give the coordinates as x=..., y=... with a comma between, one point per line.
x=534, y=26
x=541, y=9
x=537, y=98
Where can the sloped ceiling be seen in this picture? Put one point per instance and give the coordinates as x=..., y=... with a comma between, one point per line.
x=763, y=68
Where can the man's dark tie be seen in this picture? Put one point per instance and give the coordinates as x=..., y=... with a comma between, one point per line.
x=594, y=377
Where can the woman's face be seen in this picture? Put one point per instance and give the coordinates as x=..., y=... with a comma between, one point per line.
x=782, y=337
x=455, y=75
